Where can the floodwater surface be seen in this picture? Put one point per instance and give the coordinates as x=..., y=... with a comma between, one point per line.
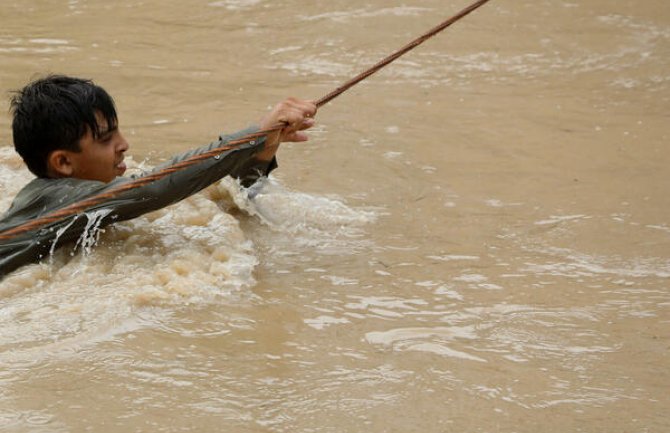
x=477, y=239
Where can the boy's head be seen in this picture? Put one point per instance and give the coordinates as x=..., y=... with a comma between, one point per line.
x=67, y=127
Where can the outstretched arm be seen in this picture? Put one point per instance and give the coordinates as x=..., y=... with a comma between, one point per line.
x=126, y=198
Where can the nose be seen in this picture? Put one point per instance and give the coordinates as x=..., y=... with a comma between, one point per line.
x=122, y=145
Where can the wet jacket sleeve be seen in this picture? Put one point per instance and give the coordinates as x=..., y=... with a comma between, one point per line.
x=127, y=197
x=238, y=163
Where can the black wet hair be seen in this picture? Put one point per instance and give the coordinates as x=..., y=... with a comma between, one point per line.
x=54, y=113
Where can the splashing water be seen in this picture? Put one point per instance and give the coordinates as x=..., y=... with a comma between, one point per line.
x=326, y=224
x=190, y=253
x=89, y=238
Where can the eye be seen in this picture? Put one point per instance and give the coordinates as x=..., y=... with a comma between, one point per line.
x=106, y=137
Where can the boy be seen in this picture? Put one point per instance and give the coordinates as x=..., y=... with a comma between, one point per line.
x=66, y=130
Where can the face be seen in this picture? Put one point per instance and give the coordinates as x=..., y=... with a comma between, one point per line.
x=100, y=158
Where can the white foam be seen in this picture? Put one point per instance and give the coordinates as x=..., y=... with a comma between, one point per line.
x=323, y=223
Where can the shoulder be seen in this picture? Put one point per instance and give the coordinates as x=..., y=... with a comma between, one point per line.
x=41, y=196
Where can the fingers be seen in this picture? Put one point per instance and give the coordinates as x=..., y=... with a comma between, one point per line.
x=298, y=123
x=297, y=115
x=303, y=106
x=307, y=123
x=296, y=136
x=291, y=111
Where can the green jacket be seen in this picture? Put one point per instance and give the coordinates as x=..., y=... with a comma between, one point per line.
x=43, y=196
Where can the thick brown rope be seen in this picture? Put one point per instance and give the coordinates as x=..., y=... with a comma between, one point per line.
x=81, y=206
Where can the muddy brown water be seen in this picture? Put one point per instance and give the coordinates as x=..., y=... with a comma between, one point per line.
x=475, y=240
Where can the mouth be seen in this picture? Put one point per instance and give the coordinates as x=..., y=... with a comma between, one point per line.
x=121, y=167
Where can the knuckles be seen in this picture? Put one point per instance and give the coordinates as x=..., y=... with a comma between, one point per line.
x=296, y=113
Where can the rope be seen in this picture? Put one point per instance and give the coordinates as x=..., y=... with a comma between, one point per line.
x=81, y=206
x=410, y=46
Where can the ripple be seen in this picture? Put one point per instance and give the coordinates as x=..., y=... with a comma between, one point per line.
x=345, y=16
x=583, y=265
x=35, y=45
x=414, y=339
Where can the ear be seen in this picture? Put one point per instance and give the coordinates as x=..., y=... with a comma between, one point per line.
x=59, y=164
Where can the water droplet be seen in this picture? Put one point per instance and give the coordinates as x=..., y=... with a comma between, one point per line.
x=217, y=156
